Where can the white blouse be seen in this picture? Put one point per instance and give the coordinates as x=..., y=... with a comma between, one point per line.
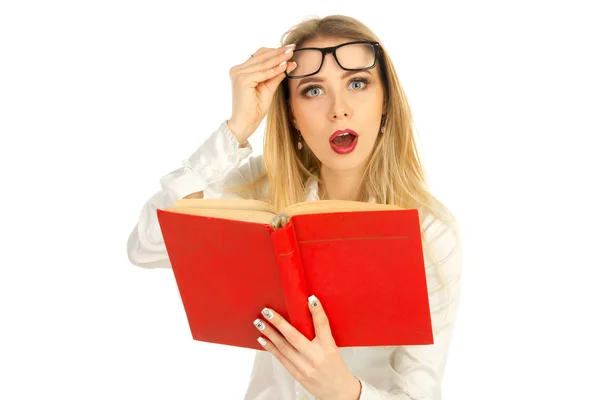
x=402, y=373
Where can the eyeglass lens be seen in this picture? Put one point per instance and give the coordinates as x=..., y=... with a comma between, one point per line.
x=352, y=56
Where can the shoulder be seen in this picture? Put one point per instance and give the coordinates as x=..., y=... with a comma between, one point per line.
x=249, y=180
x=440, y=230
x=442, y=250
x=251, y=169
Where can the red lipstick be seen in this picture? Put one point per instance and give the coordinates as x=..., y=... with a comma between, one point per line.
x=343, y=141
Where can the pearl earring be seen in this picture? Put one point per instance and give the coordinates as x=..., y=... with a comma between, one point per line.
x=299, y=142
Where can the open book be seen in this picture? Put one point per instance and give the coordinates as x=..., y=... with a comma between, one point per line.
x=364, y=261
x=262, y=212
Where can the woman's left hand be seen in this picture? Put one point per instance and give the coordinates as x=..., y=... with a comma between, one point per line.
x=317, y=365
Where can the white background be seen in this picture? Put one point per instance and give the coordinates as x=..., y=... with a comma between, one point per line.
x=98, y=100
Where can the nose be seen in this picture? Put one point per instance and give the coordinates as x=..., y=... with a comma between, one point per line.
x=338, y=115
x=339, y=110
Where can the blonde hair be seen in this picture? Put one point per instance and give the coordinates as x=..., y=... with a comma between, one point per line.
x=394, y=174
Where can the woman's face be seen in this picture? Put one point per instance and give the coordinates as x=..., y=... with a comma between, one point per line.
x=337, y=112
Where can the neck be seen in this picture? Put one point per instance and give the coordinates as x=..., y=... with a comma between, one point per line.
x=340, y=185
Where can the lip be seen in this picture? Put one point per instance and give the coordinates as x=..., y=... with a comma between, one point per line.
x=338, y=132
x=343, y=150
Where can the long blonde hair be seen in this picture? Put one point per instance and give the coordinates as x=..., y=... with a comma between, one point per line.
x=394, y=173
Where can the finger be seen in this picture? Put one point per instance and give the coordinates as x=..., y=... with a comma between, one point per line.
x=265, y=53
x=320, y=320
x=272, y=83
x=267, y=60
x=256, y=78
x=286, y=349
x=262, y=50
x=287, y=364
x=291, y=334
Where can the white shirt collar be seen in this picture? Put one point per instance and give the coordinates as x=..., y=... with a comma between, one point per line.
x=312, y=189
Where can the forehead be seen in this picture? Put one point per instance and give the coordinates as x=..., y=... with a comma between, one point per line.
x=325, y=42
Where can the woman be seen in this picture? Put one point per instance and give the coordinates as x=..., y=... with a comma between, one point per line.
x=338, y=127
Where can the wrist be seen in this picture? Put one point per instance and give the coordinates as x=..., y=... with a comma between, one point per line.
x=357, y=389
x=351, y=390
x=239, y=132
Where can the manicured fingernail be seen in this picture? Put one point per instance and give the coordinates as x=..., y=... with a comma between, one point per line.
x=288, y=51
x=267, y=313
x=291, y=45
x=259, y=324
x=312, y=300
x=294, y=66
x=282, y=64
x=262, y=341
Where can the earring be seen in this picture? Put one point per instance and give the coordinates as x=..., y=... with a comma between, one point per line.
x=382, y=124
x=299, y=140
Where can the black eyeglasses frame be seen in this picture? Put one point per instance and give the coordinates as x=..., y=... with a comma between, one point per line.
x=333, y=49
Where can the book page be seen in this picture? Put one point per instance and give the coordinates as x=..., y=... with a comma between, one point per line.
x=256, y=216
x=226, y=204
x=325, y=206
x=260, y=212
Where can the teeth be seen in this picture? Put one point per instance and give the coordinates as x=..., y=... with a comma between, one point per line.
x=344, y=134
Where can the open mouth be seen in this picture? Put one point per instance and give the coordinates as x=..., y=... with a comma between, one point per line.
x=343, y=141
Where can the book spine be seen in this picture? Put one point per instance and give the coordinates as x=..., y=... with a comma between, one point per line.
x=292, y=277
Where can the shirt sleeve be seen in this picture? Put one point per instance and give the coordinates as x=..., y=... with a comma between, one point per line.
x=262, y=384
x=416, y=372
x=212, y=168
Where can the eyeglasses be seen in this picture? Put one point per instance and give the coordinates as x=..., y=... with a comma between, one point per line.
x=350, y=56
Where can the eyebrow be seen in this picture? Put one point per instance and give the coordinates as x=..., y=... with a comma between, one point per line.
x=345, y=75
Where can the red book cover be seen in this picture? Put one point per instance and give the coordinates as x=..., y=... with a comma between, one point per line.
x=366, y=267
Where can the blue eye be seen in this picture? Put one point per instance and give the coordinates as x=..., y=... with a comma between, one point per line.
x=358, y=83
x=355, y=84
x=311, y=91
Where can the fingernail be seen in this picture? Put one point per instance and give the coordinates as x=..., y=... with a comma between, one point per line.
x=282, y=64
x=287, y=51
x=291, y=45
x=262, y=341
x=312, y=300
x=267, y=313
x=259, y=324
x=294, y=67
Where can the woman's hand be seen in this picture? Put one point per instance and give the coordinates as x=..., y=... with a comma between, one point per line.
x=253, y=86
x=317, y=365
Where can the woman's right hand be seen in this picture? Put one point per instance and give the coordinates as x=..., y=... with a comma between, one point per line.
x=253, y=86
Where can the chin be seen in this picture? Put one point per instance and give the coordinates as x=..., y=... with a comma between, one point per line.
x=349, y=162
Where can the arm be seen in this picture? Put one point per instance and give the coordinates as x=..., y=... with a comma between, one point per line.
x=416, y=372
x=206, y=173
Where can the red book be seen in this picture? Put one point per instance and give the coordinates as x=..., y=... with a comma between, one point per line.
x=364, y=261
